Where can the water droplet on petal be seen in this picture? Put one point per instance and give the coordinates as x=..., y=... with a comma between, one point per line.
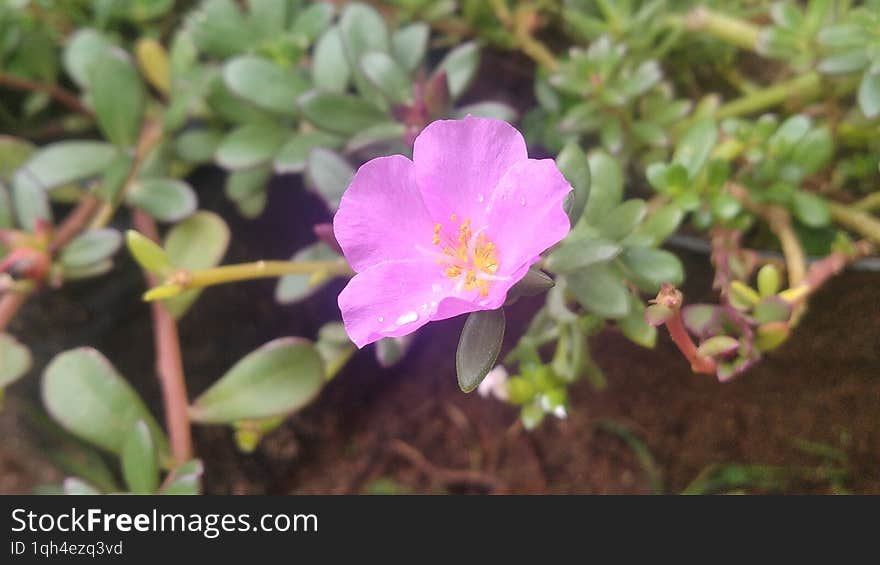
x=381, y=319
x=407, y=318
x=480, y=198
x=522, y=201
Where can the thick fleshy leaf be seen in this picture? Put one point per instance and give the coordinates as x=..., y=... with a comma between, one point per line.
x=292, y=156
x=649, y=268
x=391, y=350
x=600, y=289
x=579, y=252
x=264, y=84
x=65, y=162
x=410, y=44
x=243, y=186
x=280, y=377
x=636, y=328
x=606, y=187
x=478, y=347
x=140, y=462
x=772, y=309
x=91, y=247
x=702, y=320
x=329, y=174
x=657, y=227
x=147, y=253
x=220, y=29
x=696, y=145
x=380, y=133
x=339, y=113
x=84, y=48
x=621, y=220
x=460, y=66
x=83, y=392
x=330, y=68
x=575, y=166
x=869, y=93
x=167, y=200
x=199, y=242
x=251, y=145
x=31, y=204
x=117, y=95
x=311, y=21
x=292, y=288
x=811, y=209
x=388, y=76
x=197, y=146
x=14, y=152
x=15, y=360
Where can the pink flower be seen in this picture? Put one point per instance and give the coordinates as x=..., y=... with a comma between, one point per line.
x=448, y=232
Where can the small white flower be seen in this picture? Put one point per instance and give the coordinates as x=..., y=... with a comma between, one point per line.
x=495, y=384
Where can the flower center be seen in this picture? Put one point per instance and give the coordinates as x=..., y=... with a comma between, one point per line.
x=469, y=257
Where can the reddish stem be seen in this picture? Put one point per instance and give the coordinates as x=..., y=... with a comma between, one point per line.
x=74, y=223
x=169, y=365
x=53, y=90
x=678, y=333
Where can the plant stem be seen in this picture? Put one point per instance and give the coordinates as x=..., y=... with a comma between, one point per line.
x=857, y=220
x=678, y=333
x=519, y=24
x=733, y=30
x=169, y=365
x=803, y=88
x=61, y=95
x=262, y=270
x=151, y=135
x=74, y=223
x=868, y=203
x=10, y=304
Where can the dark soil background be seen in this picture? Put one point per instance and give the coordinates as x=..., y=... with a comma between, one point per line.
x=410, y=429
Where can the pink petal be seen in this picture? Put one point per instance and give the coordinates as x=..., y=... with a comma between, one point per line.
x=381, y=216
x=459, y=162
x=525, y=214
x=393, y=299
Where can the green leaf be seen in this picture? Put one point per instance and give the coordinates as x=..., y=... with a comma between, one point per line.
x=410, y=45
x=651, y=267
x=140, y=464
x=293, y=288
x=220, y=29
x=718, y=345
x=118, y=98
x=244, y=185
x=461, y=66
x=488, y=109
x=264, y=84
x=330, y=68
x=658, y=226
x=311, y=21
x=812, y=154
x=7, y=219
x=65, y=162
x=391, y=350
x=388, y=76
x=339, y=113
x=278, y=378
x=199, y=242
x=185, y=480
x=578, y=252
x=363, y=30
x=83, y=392
x=635, y=328
x=600, y=289
x=294, y=154
x=329, y=175
x=147, y=253
x=14, y=152
x=386, y=132
x=83, y=49
x=811, y=209
x=623, y=219
x=91, y=247
x=167, y=200
x=575, y=167
x=869, y=94
x=15, y=360
x=478, y=347
x=772, y=309
x=606, y=187
x=197, y=146
x=31, y=204
x=696, y=145
x=251, y=145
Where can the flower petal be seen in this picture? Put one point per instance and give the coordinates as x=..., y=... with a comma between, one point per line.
x=459, y=162
x=381, y=216
x=525, y=214
x=393, y=299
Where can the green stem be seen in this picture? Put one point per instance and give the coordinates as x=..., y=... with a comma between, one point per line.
x=732, y=30
x=856, y=220
x=868, y=203
x=803, y=88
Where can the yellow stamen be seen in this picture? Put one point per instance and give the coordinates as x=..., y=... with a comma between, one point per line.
x=471, y=255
